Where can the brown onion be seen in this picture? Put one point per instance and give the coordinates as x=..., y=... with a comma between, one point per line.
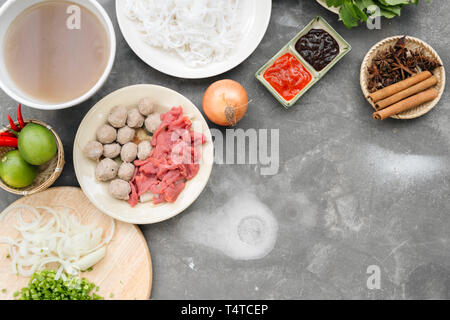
x=225, y=102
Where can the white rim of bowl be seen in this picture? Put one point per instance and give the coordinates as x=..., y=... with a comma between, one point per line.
x=93, y=90
x=157, y=67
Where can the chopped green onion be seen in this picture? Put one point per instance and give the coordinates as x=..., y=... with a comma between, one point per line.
x=43, y=286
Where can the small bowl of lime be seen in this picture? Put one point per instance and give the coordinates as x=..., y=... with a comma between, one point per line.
x=36, y=163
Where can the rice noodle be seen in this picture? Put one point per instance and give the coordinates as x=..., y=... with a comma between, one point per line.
x=61, y=238
x=199, y=31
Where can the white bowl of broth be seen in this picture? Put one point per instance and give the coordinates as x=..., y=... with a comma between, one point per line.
x=54, y=53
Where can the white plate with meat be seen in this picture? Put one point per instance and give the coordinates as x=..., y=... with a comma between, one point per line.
x=159, y=188
x=193, y=39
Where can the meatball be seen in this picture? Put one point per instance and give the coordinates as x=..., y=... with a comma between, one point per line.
x=118, y=116
x=135, y=119
x=126, y=171
x=152, y=122
x=144, y=149
x=125, y=135
x=106, y=134
x=106, y=170
x=129, y=152
x=146, y=106
x=93, y=150
x=120, y=189
x=111, y=150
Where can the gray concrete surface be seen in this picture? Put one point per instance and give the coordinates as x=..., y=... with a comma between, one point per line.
x=351, y=192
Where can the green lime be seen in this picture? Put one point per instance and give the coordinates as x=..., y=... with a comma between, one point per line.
x=15, y=171
x=37, y=144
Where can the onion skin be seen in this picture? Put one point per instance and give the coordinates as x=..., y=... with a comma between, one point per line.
x=225, y=102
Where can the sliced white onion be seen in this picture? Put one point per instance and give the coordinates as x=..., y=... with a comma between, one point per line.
x=91, y=259
x=147, y=197
x=60, y=239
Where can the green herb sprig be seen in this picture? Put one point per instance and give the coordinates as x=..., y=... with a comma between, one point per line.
x=353, y=12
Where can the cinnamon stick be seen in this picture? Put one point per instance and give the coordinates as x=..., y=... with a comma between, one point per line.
x=409, y=103
x=421, y=86
x=399, y=86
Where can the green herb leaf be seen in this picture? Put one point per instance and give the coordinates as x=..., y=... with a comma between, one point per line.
x=354, y=12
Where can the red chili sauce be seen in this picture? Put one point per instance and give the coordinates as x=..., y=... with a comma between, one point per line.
x=287, y=76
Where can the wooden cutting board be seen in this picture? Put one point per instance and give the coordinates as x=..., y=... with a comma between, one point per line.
x=124, y=273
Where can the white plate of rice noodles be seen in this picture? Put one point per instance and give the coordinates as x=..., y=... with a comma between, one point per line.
x=193, y=39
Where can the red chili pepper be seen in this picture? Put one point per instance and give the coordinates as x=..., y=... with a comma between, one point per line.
x=7, y=134
x=19, y=117
x=8, y=142
x=12, y=124
x=10, y=131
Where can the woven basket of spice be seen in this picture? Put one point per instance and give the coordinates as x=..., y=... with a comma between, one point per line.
x=47, y=173
x=396, y=59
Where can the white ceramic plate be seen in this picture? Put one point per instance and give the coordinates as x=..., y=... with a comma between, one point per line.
x=255, y=14
x=323, y=4
x=97, y=192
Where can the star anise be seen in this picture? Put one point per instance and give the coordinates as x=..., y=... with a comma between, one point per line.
x=398, y=63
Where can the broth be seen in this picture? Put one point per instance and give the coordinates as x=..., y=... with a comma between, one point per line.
x=51, y=62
